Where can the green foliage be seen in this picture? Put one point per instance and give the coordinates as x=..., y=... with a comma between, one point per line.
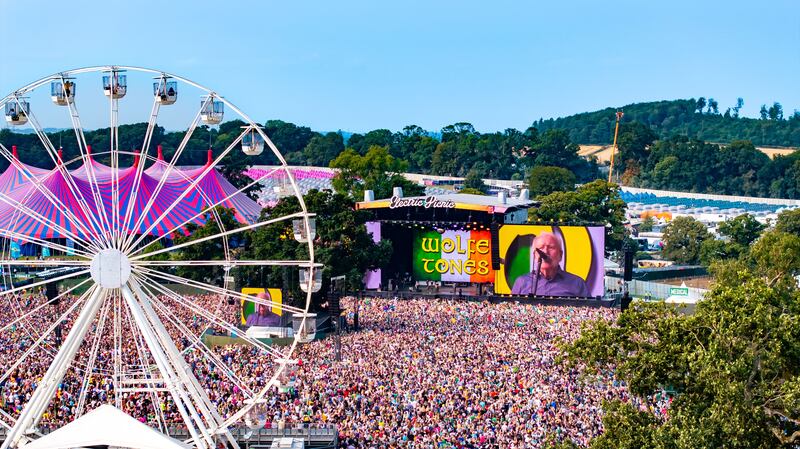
x=321, y=150
x=732, y=366
x=713, y=250
x=683, y=238
x=647, y=224
x=221, y=220
x=474, y=182
x=377, y=170
x=681, y=117
x=778, y=256
x=789, y=222
x=597, y=202
x=471, y=191
x=544, y=180
x=343, y=244
x=742, y=230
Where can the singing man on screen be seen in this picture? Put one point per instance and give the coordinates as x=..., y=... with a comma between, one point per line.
x=262, y=315
x=552, y=280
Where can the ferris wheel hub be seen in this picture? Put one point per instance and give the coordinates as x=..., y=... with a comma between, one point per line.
x=110, y=268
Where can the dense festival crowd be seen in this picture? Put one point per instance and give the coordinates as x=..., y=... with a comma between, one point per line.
x=418, y=373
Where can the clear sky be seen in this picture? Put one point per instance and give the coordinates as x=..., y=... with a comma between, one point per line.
x=362, y=65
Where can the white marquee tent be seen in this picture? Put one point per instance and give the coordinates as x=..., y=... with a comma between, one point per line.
x=106, y=426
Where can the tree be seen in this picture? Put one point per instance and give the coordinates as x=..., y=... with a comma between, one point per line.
x=713, y=250
x=775, y=112
x=701, y=104
x=763, y=112
x=647, y=224
x=738, y=107
x=743, y=229
x=221, y=219
x=777, y=256
x=377, y=170
x=546, y=180
x=713, y=106
x=683, y=238
x=731, y=369
x=321, y=150
x=634, y=140
x=475, y=182
x=597, y=202
x=789, y=222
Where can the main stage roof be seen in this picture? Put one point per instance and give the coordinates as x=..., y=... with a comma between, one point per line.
x=46, y=193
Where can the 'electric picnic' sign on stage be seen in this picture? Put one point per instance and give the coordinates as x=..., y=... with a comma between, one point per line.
x=462, y=256
x=427, y=202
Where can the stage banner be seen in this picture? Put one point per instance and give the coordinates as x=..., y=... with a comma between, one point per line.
x=452, y=256
x=572, y=264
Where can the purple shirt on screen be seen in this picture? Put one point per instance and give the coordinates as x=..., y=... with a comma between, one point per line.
x=268, y=320
x=562, y=284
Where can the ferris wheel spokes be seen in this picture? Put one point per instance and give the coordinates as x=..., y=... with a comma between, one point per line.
x=188, y=413
x=32, y=412
x=148, y=136
x=83, y=148
x=141, y=352
x=214, y=289
x=50, y=196
x=189, y=382
x=42, y=337
x=228, y=327
x=35, y=311
x=68, y=180
x=218, y=235
x=133, y=250
x=196, y=342
x=188, y=190
x=45, y=243
x=87, y=375
x=146, y=210
x=40, y=283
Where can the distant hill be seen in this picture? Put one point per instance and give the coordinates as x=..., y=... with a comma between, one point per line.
x=681, y=117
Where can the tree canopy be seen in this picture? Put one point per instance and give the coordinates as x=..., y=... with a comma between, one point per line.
x=597, y=202
x=730, y=370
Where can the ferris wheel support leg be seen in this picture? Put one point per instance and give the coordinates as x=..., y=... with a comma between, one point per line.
x=49, y=384
x=190, y=382
x=185, y=408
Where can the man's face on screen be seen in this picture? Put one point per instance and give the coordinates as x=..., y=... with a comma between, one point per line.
x=550, y=246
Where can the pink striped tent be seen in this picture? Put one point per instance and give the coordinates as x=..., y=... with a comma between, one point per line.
x=33, y=201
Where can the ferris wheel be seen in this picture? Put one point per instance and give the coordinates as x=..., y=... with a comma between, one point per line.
x=113, y=227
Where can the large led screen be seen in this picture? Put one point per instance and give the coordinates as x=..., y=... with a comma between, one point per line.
x=551, y=260
x=452, y=256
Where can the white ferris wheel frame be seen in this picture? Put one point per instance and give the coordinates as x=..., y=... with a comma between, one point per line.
x=138, y=296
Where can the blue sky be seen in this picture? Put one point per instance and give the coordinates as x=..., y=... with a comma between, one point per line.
x=362, y=65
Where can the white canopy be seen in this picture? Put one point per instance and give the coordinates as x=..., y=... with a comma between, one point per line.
x=106, y=425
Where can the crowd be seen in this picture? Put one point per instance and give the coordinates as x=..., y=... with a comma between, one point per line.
x=419, y=373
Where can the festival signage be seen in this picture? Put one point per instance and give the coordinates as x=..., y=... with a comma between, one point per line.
x=453, y=256
x=427, y=202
